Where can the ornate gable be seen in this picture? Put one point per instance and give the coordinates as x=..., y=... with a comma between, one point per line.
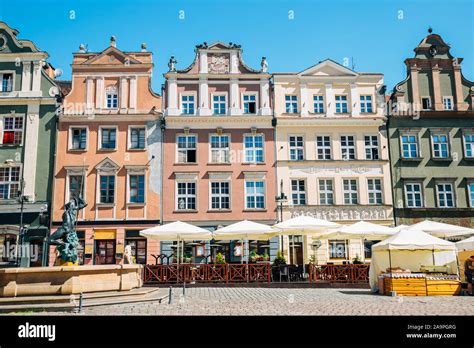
x=9, y=43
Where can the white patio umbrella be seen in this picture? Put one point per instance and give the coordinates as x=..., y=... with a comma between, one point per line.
x=247, y=230
x=362, y=229
x=399, y=227
x=442, y=230
x=177, y=231
x=304, y=225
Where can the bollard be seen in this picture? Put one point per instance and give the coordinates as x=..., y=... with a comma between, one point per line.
x=170, y=296
x=184, y=289
x=80, y=302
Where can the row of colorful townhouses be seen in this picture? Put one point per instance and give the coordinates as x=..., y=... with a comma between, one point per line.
x=223, y=142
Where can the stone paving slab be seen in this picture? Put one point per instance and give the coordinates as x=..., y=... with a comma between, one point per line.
x=261, y=301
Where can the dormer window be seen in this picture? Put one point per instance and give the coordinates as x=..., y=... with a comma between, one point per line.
x=111, y=97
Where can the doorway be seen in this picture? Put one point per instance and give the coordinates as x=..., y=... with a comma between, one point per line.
x=296, y=250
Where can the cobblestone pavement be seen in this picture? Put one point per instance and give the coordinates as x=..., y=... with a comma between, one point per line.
x=261, y=301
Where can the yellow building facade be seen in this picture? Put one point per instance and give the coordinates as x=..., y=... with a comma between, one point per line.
x=332, y=155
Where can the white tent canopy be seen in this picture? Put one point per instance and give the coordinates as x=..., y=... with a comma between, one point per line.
x=442, y=230
x=411, y=249
x=465, y=244
x=361, y=229
x=412, y=239
x=245, y=230
x=177, y=230
x=304, y=225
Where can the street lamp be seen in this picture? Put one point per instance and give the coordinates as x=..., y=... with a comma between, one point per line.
x=280, y=200
x=21, y=199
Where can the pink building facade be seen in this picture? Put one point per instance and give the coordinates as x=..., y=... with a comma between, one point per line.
x=218, y=142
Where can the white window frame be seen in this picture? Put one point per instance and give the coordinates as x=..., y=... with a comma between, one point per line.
x=129, y=135
x=371, y=146
x=429, y=102
x=68, y=184
x=226, y=102
x=299, y=194
x=220, y=195
x=453, y=192
x=136, y=173
x=338, y=241
x=318, y=104
x=2, y=128
x=450, y=99
x=325, y=191
x=254, y=148
x=350, y=191
x=181, y=102
x=99, y=194
x=99, y=140
x=432, y=135
x=5, y=72
x=349, y=147
x=255, y=94
x=255, y=194
x=375, y=192
x=111, y=90
x=195, y=148
x=341, y=102
x=417, y=144
x=71, y=128
x=324, y=147
x=10, y=182
x=186, y=195
x=465, y=143
x=219, y=149
x=296, y=147
x=289, y=104
x=470, y=193
x=364, y=104
x=421, y=193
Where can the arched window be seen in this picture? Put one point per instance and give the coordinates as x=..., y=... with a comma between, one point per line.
x=111, y=96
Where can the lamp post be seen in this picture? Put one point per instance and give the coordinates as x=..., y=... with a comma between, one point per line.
x=280, y=200
x=22, y=199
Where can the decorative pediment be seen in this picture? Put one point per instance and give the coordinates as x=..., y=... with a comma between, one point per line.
x=9, y=43
x=328, y=67
x=111, y=55
x=107, y=165
x=432, y=46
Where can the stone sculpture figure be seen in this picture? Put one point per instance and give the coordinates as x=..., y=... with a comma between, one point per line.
x=171, y=64
x=65, y=238
x=264, y=64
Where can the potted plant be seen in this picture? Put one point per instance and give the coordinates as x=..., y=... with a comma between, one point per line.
x=279, y=259
x=253, y=256
x=266, y=257
x=220, y=259
x=187, y=258
x=356, y=260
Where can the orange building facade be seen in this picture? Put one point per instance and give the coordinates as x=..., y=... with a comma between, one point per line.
x=108, y=151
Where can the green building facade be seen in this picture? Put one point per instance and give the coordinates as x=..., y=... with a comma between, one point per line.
x=431, y=138
x=28, y=98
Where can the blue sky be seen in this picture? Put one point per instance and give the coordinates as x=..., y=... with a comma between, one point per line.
x=378, y=35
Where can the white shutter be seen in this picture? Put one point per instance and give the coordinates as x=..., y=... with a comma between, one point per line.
x=1, y=129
